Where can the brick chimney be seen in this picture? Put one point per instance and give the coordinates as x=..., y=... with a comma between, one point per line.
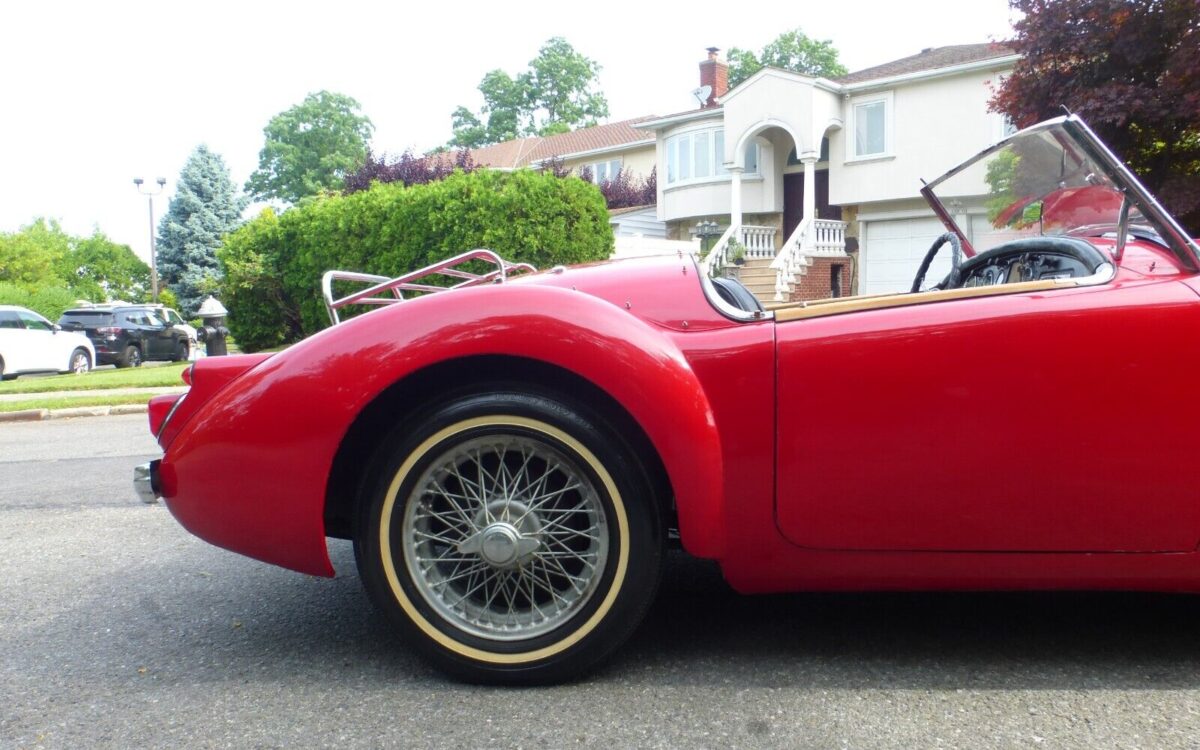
x=714, y=72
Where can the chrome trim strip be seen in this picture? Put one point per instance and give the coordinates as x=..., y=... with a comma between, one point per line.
x=720, y=305
x=170, y=413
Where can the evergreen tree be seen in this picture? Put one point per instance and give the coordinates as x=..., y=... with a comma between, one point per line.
x=205, y=208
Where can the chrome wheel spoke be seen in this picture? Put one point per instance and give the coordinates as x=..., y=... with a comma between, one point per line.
x=506, y=537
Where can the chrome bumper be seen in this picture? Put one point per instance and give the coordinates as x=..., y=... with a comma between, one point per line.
x=145, y=482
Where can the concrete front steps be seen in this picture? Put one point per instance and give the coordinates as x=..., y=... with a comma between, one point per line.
x=759, y=278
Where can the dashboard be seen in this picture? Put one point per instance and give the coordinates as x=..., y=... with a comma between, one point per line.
x=1032, y=259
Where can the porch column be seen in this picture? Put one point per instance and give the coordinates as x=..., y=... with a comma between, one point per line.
x=735, y=196
x=809, y=160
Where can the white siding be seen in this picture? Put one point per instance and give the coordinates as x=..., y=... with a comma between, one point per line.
x=643, y=223
x=937, y=124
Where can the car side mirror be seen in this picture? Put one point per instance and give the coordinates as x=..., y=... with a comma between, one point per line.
x=55, y=327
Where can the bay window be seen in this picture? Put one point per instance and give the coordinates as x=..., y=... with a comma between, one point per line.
x=699, y=156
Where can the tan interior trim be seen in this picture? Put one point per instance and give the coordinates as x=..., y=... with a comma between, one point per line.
x=841, y=305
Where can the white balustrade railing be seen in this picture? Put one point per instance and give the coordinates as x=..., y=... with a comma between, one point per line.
x=717, y=257
x=791, y=257
x=812, y=238
x=829, y=237
x=758, y=241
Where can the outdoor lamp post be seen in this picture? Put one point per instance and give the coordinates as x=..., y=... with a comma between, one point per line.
x=706, y=230
x=150, y=193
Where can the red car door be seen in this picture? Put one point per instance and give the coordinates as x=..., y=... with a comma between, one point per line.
x=1063, y=420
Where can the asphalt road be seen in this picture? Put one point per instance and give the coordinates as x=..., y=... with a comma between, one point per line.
x=118, y=629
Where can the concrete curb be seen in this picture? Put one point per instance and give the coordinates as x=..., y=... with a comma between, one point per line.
x=25, y=415
x=35, y=415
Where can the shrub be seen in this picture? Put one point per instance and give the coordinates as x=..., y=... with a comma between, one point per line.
x=49, y=301
x=408, y=169
x=273, y=265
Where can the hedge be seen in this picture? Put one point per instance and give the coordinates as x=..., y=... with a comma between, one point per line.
x=273, y=264
x=49, y=301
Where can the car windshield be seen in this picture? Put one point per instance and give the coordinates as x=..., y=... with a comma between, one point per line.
x=1052, y=179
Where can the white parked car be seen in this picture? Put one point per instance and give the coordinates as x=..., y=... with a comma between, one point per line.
x=30, y=343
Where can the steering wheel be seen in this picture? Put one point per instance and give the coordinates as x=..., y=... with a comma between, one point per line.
x=931, y=253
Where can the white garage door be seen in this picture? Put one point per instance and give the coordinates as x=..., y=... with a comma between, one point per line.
x=892, y=250
x=984, y=236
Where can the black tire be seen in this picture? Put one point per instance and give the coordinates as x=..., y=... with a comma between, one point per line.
x=131, y=356
x=182, y=351
x=4, y=375
x=592, y=525
x=80, y=362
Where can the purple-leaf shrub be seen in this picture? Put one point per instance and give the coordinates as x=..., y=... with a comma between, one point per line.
x=408, y=169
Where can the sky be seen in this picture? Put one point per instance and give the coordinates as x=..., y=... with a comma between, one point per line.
x=94, y=94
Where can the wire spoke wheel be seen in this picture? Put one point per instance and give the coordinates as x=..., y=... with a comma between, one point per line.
x=505, y=536
x=512, y=537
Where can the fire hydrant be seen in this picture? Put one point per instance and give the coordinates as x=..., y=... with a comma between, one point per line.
x=213, y=332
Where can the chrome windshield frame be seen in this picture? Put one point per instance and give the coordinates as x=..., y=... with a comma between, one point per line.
x=1174, y=236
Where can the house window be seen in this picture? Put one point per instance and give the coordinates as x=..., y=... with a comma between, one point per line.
x=1002, y=127
x=752, y=158
x=868, y=129
x=603, y=171
x=871, y=127
x=700, y=155
x=835, y=280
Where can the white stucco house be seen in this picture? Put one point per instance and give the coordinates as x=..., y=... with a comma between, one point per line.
x=799, y=170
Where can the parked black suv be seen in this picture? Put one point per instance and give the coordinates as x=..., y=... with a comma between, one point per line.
x=127, y=335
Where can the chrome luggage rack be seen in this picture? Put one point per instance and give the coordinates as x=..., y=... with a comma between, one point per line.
x=416, y=281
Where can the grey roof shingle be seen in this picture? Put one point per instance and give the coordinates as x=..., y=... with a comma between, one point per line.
x=930, y=59
x=524, y=151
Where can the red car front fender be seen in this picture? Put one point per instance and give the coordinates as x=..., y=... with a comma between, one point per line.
x=249, y=471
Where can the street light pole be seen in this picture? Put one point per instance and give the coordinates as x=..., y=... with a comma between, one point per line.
x=150, y=193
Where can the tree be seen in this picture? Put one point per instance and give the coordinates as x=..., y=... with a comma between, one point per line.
x=100, y=270
x=1131, y=69
x=557, y=93
x=792, y=50
x=205, y=208
x=310, y=148
x=45, y=269
x=33, y=255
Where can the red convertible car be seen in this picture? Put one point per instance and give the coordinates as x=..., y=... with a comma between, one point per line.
x=512, y=458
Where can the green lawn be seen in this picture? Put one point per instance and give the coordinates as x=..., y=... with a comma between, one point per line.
x=66, y=403
x=134, y=377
